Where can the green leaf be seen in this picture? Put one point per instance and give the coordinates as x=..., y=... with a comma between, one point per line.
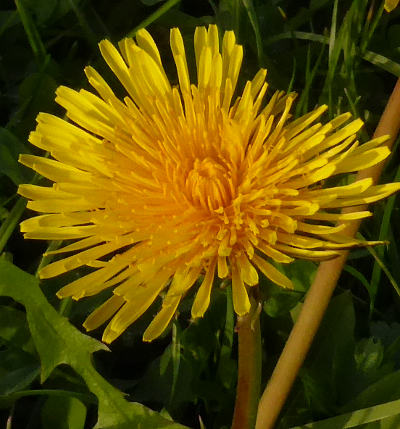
x=360, y=277
x=8, y=18
x=382, y=62
x=36, y=93
x=69, y=346
x=330, y=366
x=374, y=58
x=42, y=9
x=17, y=371
x=389, y=336
x=369, y=355
x=305, y=15
x=10, y=222
x=385, y=416
x=10, y=148
x=63, y=413
x=6, y=401
x=301, y=273
x=386, y=389
x=14, y=145
x=280, y=301
x=160, y=373
x=253, y=18
x=150, y=2
x=385, y=269
x=9, y=165
x=31, y=31
x=380, y=251
x=14, y=328
x=227, y=368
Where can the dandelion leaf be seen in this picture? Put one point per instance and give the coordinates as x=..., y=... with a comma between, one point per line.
x=58, y=342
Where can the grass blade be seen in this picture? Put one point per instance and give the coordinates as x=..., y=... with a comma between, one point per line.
x=356, y=418
x=31, y=31
x=154, y=16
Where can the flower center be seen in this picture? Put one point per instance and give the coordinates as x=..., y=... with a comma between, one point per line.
x=208, y=184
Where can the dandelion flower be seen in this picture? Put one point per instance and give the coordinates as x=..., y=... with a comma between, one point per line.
x=179, y=184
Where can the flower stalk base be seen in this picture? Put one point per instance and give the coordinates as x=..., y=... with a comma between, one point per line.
x=249, y=368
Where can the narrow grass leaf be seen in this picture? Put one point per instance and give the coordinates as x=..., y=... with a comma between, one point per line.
x=356, y=418
x=31, y=31
x=251, y=13
x=154, y=16
x=383, y=267
x=382, y=62
x=332, y=36
x=360, y=277
x=383, y=235
x=377, y=60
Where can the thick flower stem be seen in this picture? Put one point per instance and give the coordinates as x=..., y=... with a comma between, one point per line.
x=318, y=296
x=249, y=369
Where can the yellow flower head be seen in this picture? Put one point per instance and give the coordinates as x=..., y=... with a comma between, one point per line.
x=177, y=183
x=391, y=5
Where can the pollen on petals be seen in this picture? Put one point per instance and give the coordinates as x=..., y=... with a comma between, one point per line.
x=173, y=186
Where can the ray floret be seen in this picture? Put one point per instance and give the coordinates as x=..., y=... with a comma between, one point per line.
x=175, y=185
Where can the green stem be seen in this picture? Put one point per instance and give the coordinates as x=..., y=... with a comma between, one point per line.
x=154, y=16
x=31, y=31
x=249, y=368
x=83, y=22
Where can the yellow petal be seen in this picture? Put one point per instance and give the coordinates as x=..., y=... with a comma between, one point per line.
x=360, y=161
x=103, y=313
x=247, y=271
x=75, y=261
x=271, y=252
x=202, y=299
x=223, y=270
x=146, y=42
x=333, y=217
x=117, y=65
x=272, y=273
x=391, y=5
x=313, y=255
x=178, y=51
x=241, y=302
x=160, y=322
x=54, y=170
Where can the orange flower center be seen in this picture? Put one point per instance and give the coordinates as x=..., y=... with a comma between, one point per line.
x=208, y=178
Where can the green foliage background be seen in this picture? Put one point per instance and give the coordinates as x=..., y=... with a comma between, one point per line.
x=341, y=52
